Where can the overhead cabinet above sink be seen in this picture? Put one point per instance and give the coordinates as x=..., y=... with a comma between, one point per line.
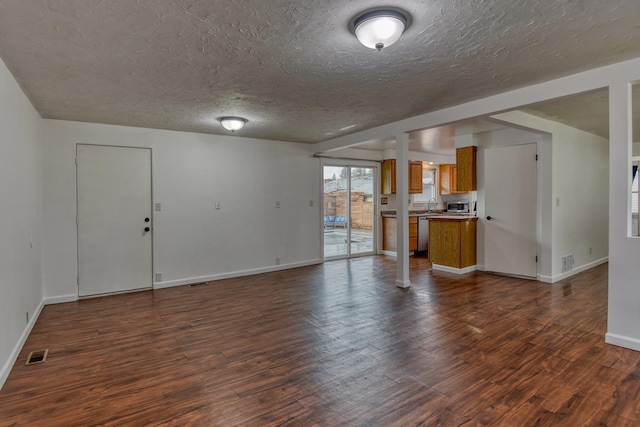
x=388, y=181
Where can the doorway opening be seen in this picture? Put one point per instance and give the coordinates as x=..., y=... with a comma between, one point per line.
x=348, y=218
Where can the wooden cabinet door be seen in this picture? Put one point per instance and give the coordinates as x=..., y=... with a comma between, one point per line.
x=453, y=179
x=466, y=169
x=468, y=230
x=389, y=233
x=415, y=177
x=388, y=181
x=444, y=243
x=444, y=180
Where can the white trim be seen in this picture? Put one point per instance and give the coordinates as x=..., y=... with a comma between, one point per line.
x=60, y=299
x=622, y=341
x=404, y=284
x=453, y=270
x=180, y=282
x=8, y=365
x=585, y=267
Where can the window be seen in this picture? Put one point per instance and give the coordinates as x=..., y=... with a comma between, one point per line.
x=428, y=186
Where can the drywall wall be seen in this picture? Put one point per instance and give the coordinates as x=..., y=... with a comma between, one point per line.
x=21, y=214
x=624, y=251
x=579, y=198
x=192, y=241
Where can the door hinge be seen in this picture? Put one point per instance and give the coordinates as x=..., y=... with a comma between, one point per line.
x=77, y=221
x=76, y=161
x=536, y=258
x=536, y=157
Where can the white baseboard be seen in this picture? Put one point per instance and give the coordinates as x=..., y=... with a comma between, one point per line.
x=622, y=341
x=8, y=364
x=585, y=267
x=403, y=283
x=233, y=274
x=453, y=270
x=60, y=299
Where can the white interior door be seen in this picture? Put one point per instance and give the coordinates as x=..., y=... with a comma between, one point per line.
x=114, y=208
x=510, y=210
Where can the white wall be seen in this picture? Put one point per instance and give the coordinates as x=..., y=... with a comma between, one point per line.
x=21, y=218
x=579, y=197
x=191, y=172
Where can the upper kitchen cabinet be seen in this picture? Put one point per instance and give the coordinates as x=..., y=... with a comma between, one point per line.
x=466, y=169
x=449, y=179
x=415, y=177
x=388, y=181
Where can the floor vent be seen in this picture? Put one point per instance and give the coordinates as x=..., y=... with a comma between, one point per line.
x=198, y=284
x=37, y=357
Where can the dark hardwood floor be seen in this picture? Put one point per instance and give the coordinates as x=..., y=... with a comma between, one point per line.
x=328, y=345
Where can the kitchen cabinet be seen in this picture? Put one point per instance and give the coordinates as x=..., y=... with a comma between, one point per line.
x=466, y=169
x=452, y=242
x=448, y=183
x=388, y=181
x=389, y=234
x=415, y=177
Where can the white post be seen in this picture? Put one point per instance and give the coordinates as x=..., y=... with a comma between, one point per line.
x=402, y=210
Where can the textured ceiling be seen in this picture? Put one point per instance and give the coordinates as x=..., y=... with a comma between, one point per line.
x=292, y=67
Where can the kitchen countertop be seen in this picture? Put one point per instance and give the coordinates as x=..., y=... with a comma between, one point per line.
x=434, y=215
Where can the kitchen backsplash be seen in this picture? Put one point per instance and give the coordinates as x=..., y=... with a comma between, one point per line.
x=442, y=201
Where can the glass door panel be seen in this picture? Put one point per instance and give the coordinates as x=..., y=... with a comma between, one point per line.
x=362, y=210
x=335, y=211
x=348, y=211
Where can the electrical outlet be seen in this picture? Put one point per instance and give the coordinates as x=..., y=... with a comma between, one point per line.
x=278, y=261
x=310, y=203
x=158, y=277
x=277, y=204
x=217, y=206
x=158, y=206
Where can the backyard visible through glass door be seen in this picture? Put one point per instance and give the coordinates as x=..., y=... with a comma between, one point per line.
x=348, y=221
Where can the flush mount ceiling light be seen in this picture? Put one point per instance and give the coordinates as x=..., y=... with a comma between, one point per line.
x=232, y=123
x=379, y=28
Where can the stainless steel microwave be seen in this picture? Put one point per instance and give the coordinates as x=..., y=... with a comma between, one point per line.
x=458, y=207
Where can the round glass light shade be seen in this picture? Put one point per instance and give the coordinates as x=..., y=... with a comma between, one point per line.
x=379, y=28
x=233, y=123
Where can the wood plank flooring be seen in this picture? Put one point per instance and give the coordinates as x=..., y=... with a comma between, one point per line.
x=331, y=345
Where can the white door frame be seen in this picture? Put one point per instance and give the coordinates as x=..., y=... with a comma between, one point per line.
x=331, y=161
x=537, y=210
x=151, y=216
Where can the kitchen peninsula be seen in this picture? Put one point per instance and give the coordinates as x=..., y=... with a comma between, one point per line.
x=452, y=238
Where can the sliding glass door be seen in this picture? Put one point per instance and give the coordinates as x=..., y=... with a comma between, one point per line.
x=349, y=211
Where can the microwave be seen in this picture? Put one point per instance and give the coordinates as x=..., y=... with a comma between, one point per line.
x=458, y=207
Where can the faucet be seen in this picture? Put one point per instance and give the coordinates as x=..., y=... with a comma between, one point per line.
x=431, y=201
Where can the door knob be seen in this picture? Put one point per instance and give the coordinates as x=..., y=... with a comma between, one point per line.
x=146, y=220
x=488, y=217
x=147, y=229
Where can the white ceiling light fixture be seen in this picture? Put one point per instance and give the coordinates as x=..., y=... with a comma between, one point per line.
x=380, y=28
x=233, y=123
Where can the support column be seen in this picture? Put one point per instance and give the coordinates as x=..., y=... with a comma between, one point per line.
x=402, y=210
